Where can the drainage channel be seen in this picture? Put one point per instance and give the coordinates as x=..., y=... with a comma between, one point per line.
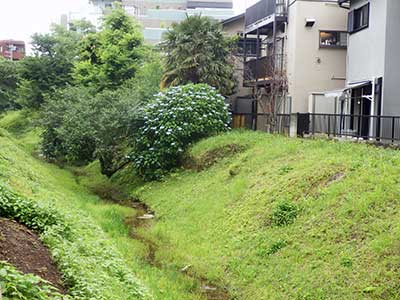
x=144, y=219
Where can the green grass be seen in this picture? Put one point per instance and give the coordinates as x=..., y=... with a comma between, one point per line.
x=24, y=126
x=278, y=219
x=285, y=219
x=48, y=184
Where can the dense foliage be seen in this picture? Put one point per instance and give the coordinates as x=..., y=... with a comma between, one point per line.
x=51, y=66
x=9, y=74
x=80, y=125
x=175, y=119
x=196, y=51
x=15, y=285
x=28, y=212
x=91, y=267
x=113, y=55
x=90, y=88
x=68, y=134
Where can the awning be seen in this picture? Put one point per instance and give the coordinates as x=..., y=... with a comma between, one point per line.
x=335, y=94
x=358, y=84
x=350, y=86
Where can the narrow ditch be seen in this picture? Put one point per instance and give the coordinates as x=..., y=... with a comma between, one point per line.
x=143, y=219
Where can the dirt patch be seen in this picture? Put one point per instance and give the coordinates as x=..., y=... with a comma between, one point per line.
x=336, y=177
x=23, y=249
x=211, y=157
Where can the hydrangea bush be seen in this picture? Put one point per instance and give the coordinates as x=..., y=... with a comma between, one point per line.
x=175, y=119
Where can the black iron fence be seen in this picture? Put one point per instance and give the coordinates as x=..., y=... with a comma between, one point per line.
x=385, y=129
x=379, y=128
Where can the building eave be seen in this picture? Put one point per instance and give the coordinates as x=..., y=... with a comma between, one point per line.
x=232, y=19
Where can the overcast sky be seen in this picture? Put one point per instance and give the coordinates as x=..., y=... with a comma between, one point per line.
x=19, y=19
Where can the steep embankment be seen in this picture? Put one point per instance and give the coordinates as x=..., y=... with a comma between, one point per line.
x=253, y=217
x=100, y=258
x=283, y=218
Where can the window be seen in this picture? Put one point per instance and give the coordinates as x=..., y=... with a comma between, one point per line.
x=333, y=39
x=251, y=46
x=359, y=19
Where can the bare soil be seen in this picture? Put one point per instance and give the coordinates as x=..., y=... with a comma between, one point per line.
x=23, y=249
x=211, y=157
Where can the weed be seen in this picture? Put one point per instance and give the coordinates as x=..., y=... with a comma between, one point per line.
x=284, y=213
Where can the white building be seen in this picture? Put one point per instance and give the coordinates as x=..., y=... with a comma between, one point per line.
x=156, y=16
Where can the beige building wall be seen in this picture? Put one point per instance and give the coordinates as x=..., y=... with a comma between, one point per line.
x=309, y=67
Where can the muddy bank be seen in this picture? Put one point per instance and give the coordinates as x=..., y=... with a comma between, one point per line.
x=23, y=249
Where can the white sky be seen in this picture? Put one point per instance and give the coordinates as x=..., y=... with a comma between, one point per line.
x=19, y=19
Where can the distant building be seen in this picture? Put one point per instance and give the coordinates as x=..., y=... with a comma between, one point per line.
x=64, y=21
x=156, y=16
x=12, y=50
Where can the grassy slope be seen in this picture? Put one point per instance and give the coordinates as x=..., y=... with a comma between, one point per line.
x=344, y=244
x=46, y=183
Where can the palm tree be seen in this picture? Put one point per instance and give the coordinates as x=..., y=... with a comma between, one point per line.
x=197, y=51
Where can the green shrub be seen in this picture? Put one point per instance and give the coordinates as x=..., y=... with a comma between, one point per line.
x=284, y=213
x=175, y=119
x=15, y=285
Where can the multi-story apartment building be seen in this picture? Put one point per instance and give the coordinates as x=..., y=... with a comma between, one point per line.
x=291, y=49
x=12, y=50
x=373, y=64
x=156, y=16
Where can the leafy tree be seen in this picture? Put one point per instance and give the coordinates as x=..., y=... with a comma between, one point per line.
x=197, y=51
x=113, y=55
x=116, y=121
x=9, y=75
x=80, y=125
x=146, y=82
x=51, y=66
x=176, y=118
x=82, y=26
x=68, y=133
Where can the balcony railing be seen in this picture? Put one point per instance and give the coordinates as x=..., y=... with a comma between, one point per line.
x=263, y=9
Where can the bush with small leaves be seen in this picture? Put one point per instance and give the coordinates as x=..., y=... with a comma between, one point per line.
x=175, y=119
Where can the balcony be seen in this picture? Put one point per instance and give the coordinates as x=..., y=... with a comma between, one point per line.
x=264, y=70
x=262, y=15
